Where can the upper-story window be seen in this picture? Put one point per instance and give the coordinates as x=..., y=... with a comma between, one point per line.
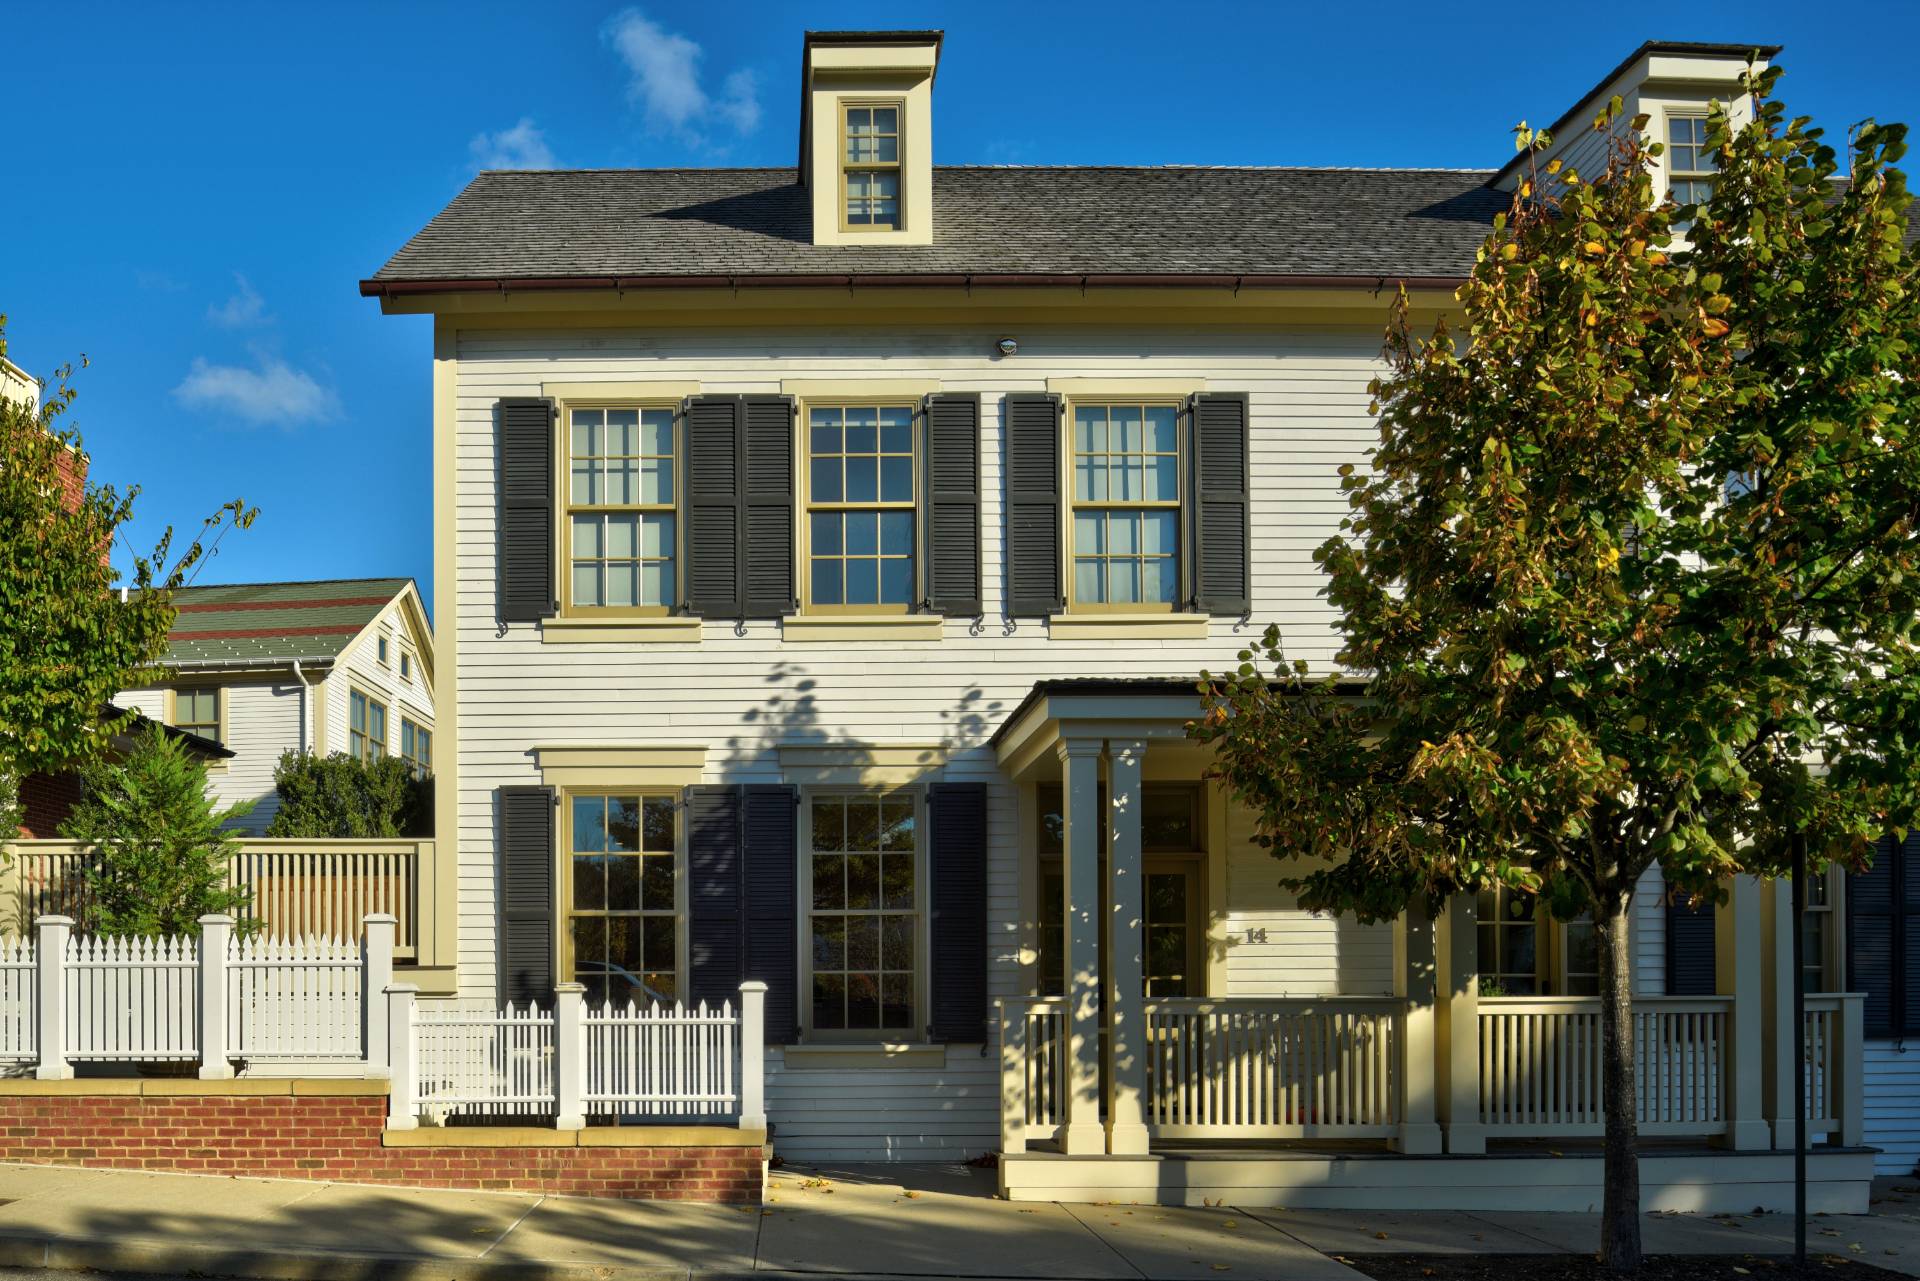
x=381, y=649
x=870, y=166
x=1126, y=505
x=366, y=727
x=406, y=666
x=416, y=745
x=620, y=535
x=198, y=712
x=860, y=508
x=1691, y=166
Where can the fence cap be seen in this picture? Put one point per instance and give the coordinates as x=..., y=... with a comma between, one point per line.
x=53, y=920
x=567, y=989
x=401, y=987
x=381, y=918
x=753, y=985
x=216, y=918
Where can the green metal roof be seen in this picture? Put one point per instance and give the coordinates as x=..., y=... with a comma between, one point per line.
x=255, y=622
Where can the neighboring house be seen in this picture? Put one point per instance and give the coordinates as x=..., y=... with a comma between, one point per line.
x=46, y=799
x=820, y=550
x=342, y=665
x=17, y=384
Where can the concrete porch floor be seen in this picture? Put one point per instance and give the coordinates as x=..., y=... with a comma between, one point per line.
x=855, y=1220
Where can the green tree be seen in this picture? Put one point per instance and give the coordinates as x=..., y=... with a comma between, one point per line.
x=1632, y=576
x=337, y=796
x=70, y=643
x=160, y=848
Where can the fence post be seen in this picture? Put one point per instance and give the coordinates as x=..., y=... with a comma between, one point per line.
x=1847, y=1077
x=569, y=1056
x=1013, y=1076
x=50, y=997
x=753, y=1055
x=376, y=975
x=216, y=930
x=404, y=1080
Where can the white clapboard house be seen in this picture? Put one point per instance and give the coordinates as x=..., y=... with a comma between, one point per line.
x=825, y=556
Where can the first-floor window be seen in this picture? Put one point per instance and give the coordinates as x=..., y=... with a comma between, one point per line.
x=1508, y=939
x=416, y=745
x=366, y=727
x=1580, y=966
x=863, y=917
x=198, y=712
x=622, y=926
x=1816, y=929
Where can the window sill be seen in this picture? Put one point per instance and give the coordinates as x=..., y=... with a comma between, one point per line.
x=592, y=631
x=833, y=629
x=855, y=1054
x=1129, y=626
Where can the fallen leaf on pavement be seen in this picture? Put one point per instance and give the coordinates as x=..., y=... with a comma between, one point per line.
x=1381, y=1236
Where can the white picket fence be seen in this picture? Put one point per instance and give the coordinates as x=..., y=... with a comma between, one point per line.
x=214, y=998
x=651, y=1064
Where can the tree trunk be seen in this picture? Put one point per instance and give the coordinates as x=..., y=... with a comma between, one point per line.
x=1620, y=1204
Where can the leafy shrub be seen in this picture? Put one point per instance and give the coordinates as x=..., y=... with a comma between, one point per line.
x=340, y=797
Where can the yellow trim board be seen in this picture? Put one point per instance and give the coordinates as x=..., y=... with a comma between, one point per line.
x=862, y=388
x=1123, y=386
x=1129, y=626
x=861, y=765
x=621, y=764
x=643, y=630
x=882, y=627
x=649, y=389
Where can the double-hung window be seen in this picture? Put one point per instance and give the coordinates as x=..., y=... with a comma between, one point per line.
x=1126, y=505
x=1691, y=166
x=622, y=896
x=861, y=886
x=860, y=508
x=620, y=529
x=1509, y=939
x=870, y=167
x=197, y=711
x=366, y=727
x=416, y=746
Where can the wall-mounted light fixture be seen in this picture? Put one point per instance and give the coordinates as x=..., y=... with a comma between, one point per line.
x=1008, y=346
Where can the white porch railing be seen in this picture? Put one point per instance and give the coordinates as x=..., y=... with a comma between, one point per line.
x=296, y=888
x=1312, y=1068
x=1540, y=1064
x=561, y=1065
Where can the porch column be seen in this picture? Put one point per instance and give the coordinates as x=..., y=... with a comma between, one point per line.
x=1776, y=961
x=1416, y=982
x=1458, y=1004
x=1126, y=955
x=1738, y=974
x=1080, y=1129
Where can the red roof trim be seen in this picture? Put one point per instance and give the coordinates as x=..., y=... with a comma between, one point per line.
x=327, y=603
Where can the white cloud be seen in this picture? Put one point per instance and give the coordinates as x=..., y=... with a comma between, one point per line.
x=245, y=309
x=273, y=392
x=521, y=147
x=663, y=72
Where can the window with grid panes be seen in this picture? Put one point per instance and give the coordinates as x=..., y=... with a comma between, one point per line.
x=1509, y=937
x=416, y=747
x=1691, y=166
x=622, y=898
x=860, y=507
x=870, y=167
x=863, y=912
x=197, y=711
x=620, y=514
x=1126, y=505
x=366, y=727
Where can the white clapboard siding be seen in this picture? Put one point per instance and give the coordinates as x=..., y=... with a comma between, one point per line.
x=949, y=1111
x=262, y=720
x=1275, y=948
x=132, y=999
x=659, y=1061
x=19, y=985
x=483, y=1061
x=359, y=667
x=294, y=998
x=1891, y=1099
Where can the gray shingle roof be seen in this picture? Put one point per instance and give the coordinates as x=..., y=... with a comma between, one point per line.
x=988, y=222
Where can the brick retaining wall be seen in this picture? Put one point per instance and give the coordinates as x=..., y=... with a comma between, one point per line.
x=340, y=1136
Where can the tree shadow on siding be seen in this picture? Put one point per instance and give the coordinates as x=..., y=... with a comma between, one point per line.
x=793, y=713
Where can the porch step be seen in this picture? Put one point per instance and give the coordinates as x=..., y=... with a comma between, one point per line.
x=1704, y=1181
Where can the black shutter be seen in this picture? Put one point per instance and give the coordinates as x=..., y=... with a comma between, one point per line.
x=527, y=856
x=1883, y=938
x=1031, y=424
x=713, y=894
x=1222, y=520
x=766, y=566
x=950, y=525
x=525, y=551
x=711, y=505
x=1690, y=963
x=957, y=872
x=771, y=859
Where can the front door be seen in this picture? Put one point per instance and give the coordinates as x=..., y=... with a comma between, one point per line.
x=1172, y=897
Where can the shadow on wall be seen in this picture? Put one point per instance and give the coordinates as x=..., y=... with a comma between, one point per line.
x=791, y=715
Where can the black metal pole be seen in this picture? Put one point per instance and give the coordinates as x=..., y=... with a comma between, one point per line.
x=1798, y=1042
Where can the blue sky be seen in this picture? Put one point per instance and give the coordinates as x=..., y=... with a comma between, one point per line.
x=199, y=188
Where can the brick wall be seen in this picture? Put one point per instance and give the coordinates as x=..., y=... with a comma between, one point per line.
x=45, y=802
x=292, y=1136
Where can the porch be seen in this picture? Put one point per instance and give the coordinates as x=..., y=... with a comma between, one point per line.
x=1437, y=1091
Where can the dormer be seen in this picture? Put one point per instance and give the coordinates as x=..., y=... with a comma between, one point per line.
x=866, y=135
x=1674, y=84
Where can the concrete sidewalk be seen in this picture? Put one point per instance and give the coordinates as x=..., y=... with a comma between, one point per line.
x=900, y=1221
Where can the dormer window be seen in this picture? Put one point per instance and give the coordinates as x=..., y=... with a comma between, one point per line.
x=1690, y=163
x=870, y=167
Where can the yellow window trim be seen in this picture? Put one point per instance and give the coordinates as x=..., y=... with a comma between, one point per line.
x=801, y=629
x=222, y=696
x=1094, y=623
x=563, y=878
x=605, y=396
x=856, y=391
x=858, y=766
x=599, y=629
x=1121, y=389
x=1109, y=392
x=386, y=718
x=588, y=767
x=897, y=166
